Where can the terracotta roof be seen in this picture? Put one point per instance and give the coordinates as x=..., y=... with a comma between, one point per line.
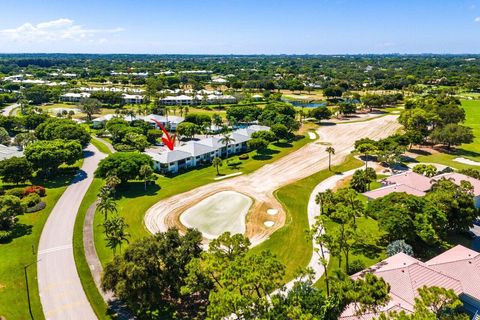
x=381, y=192
x=405, y=275
x=411, y=179
x=463, y=264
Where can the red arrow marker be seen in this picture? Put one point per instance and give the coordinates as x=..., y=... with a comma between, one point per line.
x=168, y=141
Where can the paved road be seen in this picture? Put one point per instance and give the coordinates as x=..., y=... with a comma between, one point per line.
x=7, y=109
x=61, y=292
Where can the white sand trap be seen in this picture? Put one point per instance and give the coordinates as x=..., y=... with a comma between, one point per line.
x=228, y=176
x=312, y=135
x=272, y=211
x=269, y=223
x=221, y=212
x=467, y=161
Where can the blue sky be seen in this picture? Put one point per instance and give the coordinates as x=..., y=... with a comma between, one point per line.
x=241, y=26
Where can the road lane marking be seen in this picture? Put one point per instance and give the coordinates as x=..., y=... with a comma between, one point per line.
x=55, y=249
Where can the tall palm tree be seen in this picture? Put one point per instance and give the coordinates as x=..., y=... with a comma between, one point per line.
x=330, y=151
x=115, y=233
x=226, y=140
x=217, y=162
x=107, y=205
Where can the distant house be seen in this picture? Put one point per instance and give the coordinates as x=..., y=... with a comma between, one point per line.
x=457, y=269
x=417, y=184
x=9, y=152
x=198, y=99
x=170, y=122
x=74, y=97
x=132, y=98
x=196, y=153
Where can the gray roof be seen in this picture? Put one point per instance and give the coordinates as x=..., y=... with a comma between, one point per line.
x=169, y=156
x=9, y=152
x=239, y=138
x=195, y=148
x=213, y=142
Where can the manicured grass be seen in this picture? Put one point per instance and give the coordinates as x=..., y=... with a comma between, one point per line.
x=22, y=251
x=133, y=201
x=96, y=300
x=469, y=151
x=290, y=243
x=100, y=146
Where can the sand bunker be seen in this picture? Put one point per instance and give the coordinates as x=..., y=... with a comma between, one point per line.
x=272, y=211
x=467, y=161
x=269, y=223
x=221, y=212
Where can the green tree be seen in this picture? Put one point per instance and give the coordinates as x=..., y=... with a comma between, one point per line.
x=226, y=140
x=456, y=201
x=150, y=273
x=23, y=139
x=49, y=155
x=258, y=144
x=330, y=150
x=4, y=137
x=280, y=131
x=146, y=173
x=187, y=129
x=398, y=246
x=452, y=135
x=217, y=162
x=106, y=205
x=367, y=149
x=89, y=106
x=115, y=233
x=320, y=113
x=15, y=170
x=125, y=165
x=10, y=207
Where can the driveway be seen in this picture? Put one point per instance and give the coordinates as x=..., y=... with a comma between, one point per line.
x=61, y=291
x=6, y=111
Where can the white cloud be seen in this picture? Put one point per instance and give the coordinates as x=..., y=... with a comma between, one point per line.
x=477, y=19
x=56, y=30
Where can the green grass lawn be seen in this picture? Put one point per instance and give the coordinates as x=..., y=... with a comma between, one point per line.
x=102, y=147
x=88, y=284
x=290, y=243
x=469, y=151
x=133, y=201
x=22, y=251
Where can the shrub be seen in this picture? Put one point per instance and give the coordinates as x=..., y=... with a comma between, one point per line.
x=31, y=200
x=17, y=192
x=123, y=147
x=356, y=266
x=39, y=206
x=244, y=156
x=398, y=246
x=234, y=164
x=35, y=189
x=2, y=191
x=5, y=235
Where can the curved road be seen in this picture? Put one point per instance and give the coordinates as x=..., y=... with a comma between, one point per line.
x=6, y=111
x=61, y=291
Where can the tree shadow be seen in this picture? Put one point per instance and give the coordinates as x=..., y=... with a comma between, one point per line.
x=369, y=250
x=18, y=231
x=420, y=152
x=88, y=153
x=266, y=154
x=283, y=144
x=137, y=189
x=325, y=123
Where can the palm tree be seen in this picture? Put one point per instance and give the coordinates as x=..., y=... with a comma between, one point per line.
x=217, y=162
x=146, y=172
x=115, y=233
x=112, y=181
x=330, y=151
x=107, y=205
x=226, y=140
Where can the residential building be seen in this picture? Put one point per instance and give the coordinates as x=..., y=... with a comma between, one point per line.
x=74, y=97
x=170, y=122
x=198, y=99
x=417, y=184
x=197, y=153
x=457, y=269
x=132, y=98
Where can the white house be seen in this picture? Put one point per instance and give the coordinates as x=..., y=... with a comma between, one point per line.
x=170, y=122
x=132, y=98
x=196, y=153
x=74, y=97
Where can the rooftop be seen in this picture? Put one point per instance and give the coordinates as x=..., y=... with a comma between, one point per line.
x=384, y=191
x=411, y=179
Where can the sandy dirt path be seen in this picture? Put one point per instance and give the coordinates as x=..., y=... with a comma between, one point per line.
x=261, y=184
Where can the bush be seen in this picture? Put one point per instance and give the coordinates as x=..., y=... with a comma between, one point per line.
x=17, y=192
x=356, y=266
x=39, y=206
x=35, y=189
x=5, y=235
x=244, y=156
x=234, y=164
x=31, y=200
x=123, y=147
x=2, y=191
